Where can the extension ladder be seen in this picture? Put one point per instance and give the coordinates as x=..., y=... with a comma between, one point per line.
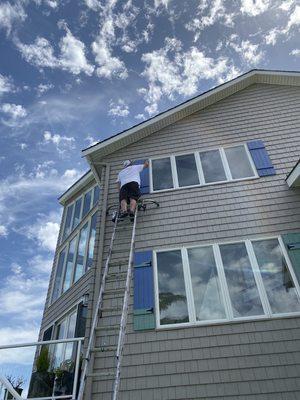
x=98, y=311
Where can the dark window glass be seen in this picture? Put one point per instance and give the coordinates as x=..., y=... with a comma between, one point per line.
x=76, y=218
x=81, y=320
x=96, y=195
x=206, y=286
x=92, y=241
x=69, y=265
x=238, y=162
x=79, y=268
x=86, y=203
x=240, y=279
x=58, y=276
x=212, y=166
x=162, y=174
x=276, y=277
x=187, y=170
x=172, y=296
x=68, y=222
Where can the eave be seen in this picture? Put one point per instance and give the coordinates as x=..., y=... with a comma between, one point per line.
x=76, y=187
x=293, y=178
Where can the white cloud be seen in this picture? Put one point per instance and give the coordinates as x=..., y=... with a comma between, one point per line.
x=40, y=264
x=6, y=85
x=72, y=54
x=250, y=52
x=23, y=146
x=14, y=111
x=295, y=52
x=159, y=3
x=272, y=36
x=11, y=14
x=119, y=109
x=109, y=66
x=3, y=231
x=254, y=7
x=91, y=140
x=61, y=142
x=171, y=71
x=93, y=4
x=294, y=19
x=286, y=5
x=44, y=87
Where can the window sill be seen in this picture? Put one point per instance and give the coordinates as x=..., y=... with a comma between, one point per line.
x=205, y=185
x=226, y=322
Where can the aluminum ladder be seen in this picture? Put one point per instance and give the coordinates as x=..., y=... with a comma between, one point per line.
x=98, y=312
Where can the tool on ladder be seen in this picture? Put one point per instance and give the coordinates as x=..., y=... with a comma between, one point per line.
x=99, y=306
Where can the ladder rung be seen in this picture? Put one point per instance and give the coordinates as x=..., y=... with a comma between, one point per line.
x=107, y=309
x=103, y=349
x=101, y=375
x=107, y=327
x=117, y=264
x=116, y=274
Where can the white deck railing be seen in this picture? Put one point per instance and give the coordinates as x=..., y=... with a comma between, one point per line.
x=6, y=389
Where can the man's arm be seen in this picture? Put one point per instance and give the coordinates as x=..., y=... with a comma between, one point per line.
x=146, y=164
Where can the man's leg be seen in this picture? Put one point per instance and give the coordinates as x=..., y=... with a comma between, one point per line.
x=132, y=206
x=123, y=206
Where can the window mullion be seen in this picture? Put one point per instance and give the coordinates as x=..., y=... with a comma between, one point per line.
x=250, y=160
x=188, y=285
x=223, y=283
x=225, y=164
x=156, y=290
x=199, y=168
x=150, y=175
x=258, y=278
x=289, y=265
x=81, y=209
x=174, y=172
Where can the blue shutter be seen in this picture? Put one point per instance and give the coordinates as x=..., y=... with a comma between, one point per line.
x=143, y=302
x=261, y=158
x=145, y=180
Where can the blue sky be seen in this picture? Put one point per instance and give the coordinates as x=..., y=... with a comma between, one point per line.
x=75, y=72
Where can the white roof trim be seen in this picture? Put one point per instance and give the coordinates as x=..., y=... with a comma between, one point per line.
x=293, y=179
x=76, y=187
x=96, y=152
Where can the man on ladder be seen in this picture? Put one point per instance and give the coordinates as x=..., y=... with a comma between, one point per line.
x=129, y=188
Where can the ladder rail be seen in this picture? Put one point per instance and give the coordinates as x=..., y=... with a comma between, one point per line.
x=123, y=322
x=96, y=316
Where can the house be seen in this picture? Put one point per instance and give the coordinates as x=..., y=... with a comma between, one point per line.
x=221, y=254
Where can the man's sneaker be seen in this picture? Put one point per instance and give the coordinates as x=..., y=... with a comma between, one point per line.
x=114, y=216
x=122, y=215
x=131, y=216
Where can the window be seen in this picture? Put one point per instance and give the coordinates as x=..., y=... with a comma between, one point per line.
x=78, y=210
x=76, y=257
x=202, y=168
x=224, y=282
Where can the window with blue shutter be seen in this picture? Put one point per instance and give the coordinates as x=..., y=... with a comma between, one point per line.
x=143, y=303
x=261, y=158
x=145, y=180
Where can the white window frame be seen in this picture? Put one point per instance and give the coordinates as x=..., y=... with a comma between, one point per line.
x=200, y=169
x=223, y=284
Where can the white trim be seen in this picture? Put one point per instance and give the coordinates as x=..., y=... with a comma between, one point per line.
x=223, y=284
x=293, y=180
x=200, y=168
x=76, y=187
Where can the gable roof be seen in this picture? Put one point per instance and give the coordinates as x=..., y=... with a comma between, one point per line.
x=96, y=152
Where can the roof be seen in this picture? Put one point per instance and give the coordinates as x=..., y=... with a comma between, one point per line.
x=78, y=185
x=96, y=152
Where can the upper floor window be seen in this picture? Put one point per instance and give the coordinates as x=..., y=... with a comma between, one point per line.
x=76, y=257
x=78, y=209
x=225, y=282
x=202, y=168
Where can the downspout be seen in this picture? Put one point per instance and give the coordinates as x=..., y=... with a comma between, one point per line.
x=99, y=258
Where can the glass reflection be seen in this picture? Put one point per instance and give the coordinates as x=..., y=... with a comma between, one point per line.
x=187, y=170
x=67, y=228
x=242, y=287
x=69, y=266
x=92, y=241
x=205, y=282
x=172, y=296
x=76, y=218
x=96, y=195
x=58, y=276
x=80, y=253
x=277, y=280
x=86, y=203
x=162, y=174
x=238, y=162
x=212, y=166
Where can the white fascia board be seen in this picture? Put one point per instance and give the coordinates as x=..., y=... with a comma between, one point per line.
x=76, y=187
x=293, y=179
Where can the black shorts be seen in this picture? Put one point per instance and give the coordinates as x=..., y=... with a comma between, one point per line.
x=130, y=190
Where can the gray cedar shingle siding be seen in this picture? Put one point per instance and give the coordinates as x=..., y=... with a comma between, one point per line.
x=250, y=360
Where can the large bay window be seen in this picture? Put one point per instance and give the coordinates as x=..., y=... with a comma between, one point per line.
x=224, y=282
x=202, y=168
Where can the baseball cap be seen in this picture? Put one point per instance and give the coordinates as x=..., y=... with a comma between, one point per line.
x=126, y=163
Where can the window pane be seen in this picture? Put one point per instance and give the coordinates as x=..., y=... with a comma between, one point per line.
x=187, y=170
x=69, y=266
x=277, y=280
x=87, y=203
x=68, y=223
x=58, y=276
x=212, y=166
x=206, y=286
x=172, y=297
x=238, y=161
x=70, y=347
x=59, y=347
x=96, y=195
x=79, y=268
x=92, y=241
x=76, y=218
x=242, y=287
x=162, y=174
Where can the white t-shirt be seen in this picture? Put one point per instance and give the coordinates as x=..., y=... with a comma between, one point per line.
x=130, y=174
